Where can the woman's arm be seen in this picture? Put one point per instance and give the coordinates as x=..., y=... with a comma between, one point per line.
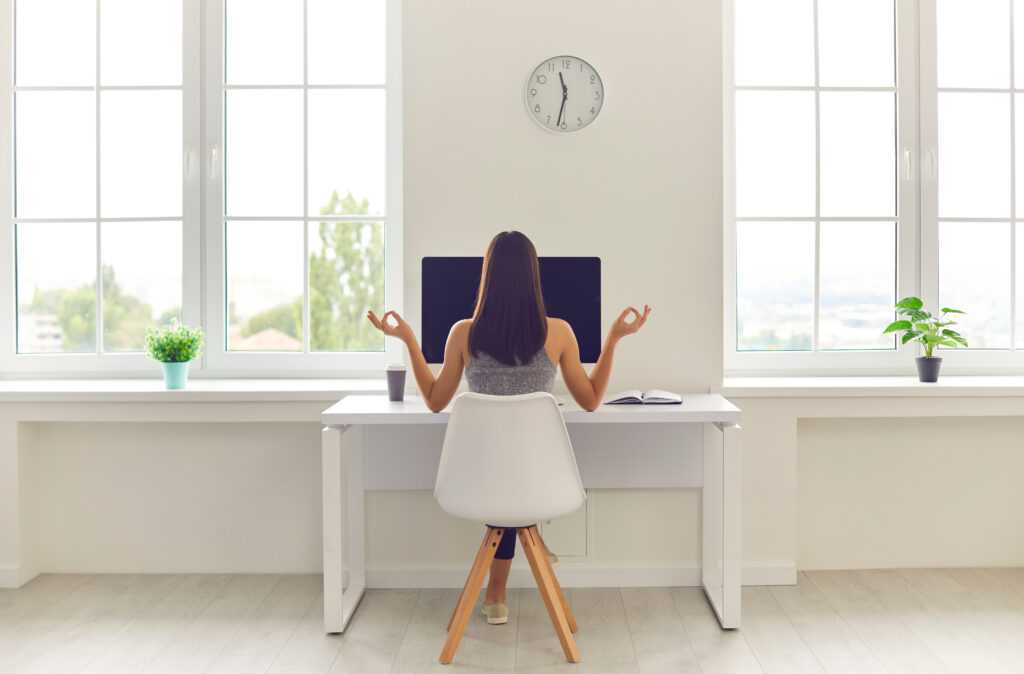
x=589, y=390
x=437, y=392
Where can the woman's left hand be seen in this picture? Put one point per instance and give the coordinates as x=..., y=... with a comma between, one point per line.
x=623, y=326
x=399, y=329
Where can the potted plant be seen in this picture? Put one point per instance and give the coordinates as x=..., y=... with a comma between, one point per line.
x=174, y=347
x=918, y=325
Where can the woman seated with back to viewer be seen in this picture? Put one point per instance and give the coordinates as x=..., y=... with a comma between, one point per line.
x=510, y=346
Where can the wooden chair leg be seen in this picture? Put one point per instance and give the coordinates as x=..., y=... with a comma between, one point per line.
x=467, y=601
x=480, y=551
x=569, y=617
x=535, y=555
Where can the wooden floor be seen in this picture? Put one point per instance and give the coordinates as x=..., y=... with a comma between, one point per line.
x=853, y=622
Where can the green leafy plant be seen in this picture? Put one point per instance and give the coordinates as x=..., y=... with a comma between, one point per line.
x=918, y=325
x=174, y=344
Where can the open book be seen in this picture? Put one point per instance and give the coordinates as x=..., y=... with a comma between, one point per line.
x=652, y=397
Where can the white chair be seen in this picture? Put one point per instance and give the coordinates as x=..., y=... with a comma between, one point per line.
x=508, y=462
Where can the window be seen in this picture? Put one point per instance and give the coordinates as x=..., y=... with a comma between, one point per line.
x=268, y=211
x=816, y=193
x=973, y=124
x=873, y=149
x=97, y=200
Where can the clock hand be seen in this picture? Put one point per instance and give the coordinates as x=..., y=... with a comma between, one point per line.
x=565, y=95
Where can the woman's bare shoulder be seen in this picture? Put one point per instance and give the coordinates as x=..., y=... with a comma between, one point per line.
x=460, y=329
x=559, y=326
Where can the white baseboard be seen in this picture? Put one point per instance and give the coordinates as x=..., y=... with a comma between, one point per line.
x=580, y=575
x=13, y=577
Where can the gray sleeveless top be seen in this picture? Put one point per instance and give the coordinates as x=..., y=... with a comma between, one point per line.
x=485, y=374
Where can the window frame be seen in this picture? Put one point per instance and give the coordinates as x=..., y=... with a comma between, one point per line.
x=202, y=219
x=908, y=230
x=220, y=359
x=962, y=361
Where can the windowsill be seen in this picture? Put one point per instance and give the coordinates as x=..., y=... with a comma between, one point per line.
x=199, y=390
x=872, y=387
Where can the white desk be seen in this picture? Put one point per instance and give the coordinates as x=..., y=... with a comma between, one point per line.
x=344, y=448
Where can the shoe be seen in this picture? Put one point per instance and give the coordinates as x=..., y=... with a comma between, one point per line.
x=496, y=613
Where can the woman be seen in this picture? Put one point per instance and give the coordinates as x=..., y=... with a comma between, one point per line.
x=510, y=346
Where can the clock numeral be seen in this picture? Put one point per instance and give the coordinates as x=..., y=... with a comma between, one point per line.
x=533, y=92
x=566, y=64
x=579, y=121
x=551, y=67
x=536, y=108
x=549, y=120
x=542, y=79
x=564, y=126
x=593, y=78
x=597, y=95
x=593, y=111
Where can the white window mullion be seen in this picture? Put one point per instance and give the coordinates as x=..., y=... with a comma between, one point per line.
x=99, y=211
x=192, y=168
x=1013, y=188
x=307, y=326
x=8, y=308
x=815, y=337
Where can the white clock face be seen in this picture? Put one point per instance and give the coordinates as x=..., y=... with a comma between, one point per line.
x=564, y=94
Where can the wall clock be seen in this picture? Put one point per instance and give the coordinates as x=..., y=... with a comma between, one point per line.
x=564, y=94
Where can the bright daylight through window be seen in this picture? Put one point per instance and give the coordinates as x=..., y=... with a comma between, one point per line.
x=815, y=174
x=115, y=152
x=837, y=206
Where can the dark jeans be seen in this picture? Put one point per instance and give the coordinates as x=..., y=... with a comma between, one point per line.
x=507, y=547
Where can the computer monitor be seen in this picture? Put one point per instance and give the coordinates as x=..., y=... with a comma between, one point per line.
x=572, y=292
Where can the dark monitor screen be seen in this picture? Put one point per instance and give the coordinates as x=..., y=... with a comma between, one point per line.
x=572, y=292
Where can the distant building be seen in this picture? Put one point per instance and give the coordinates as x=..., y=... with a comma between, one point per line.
x=269, y=339
x=39, y=333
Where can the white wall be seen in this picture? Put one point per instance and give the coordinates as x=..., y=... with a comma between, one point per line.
x=640, y=187
x=911, y=492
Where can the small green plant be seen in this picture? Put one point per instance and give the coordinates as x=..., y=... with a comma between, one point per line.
x=174, y=344
x=921, y=326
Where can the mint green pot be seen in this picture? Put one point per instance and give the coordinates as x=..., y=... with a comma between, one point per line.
x=175, y=375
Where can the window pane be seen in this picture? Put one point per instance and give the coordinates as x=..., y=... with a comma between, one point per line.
x=142, y=282
x=856, y=43
x=775, y=286
x=55, y=140
x=56, y=280
x=265, y=286
x=263, y=41
x=140, y=153
x=347, y=141
x=55, y=43
x=974, y=276
x=141, y=41
x=263, y=143
x=346, y=278
x=858, y=153
x=858, y=284
x=346, y=41
x=774, y=42
x=1020, y=286
x=974, y=155
x=774, y=153
x=973, y=41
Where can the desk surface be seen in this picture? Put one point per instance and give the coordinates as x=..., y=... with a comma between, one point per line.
x=378, y=410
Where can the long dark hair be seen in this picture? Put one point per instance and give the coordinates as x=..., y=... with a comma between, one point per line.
x=510, y=323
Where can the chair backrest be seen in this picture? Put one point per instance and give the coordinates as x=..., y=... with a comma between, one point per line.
x=508, y=461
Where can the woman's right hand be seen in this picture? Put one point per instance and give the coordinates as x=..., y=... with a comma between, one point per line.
x=399, y=329
x=623, y=326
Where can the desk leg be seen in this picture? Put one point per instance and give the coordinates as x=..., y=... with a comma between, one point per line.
x=344, y=524
x=721, y=507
